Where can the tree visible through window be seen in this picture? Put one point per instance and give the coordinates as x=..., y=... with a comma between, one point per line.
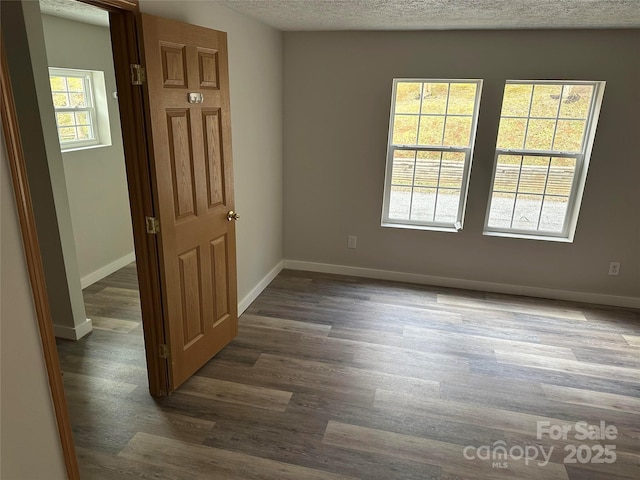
x=431, y=137
x=544, y=142
x=73, y=102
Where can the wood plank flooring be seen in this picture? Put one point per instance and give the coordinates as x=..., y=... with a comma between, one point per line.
x=342, y=378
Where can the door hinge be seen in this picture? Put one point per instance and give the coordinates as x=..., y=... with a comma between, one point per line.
x=138, y=75
x=164, y=351
x=153, y=225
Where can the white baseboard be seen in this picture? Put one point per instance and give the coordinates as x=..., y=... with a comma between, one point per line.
x=75, y=333
x=597, y=298
x=257, y=290
x=107, y=270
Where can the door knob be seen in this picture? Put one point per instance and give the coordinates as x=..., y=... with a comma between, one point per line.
x=232, y=216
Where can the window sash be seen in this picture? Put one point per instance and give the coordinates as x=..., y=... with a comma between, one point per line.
x=388, y=221
x=93, y=140
x=467, y=150
x=570, y=199
x=578, y=174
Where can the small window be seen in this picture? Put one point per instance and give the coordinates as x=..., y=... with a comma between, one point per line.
x=544, y=142
x=74, y=104
x=431, y=136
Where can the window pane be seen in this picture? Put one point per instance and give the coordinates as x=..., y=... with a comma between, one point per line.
x=58, y=83
x=452, y=169
x=462, y=97
x=60, y=100
x=516, y=100
x=457, y=131
x=428, y=169
x=533, y=175
x=399, y=202
x=527, y=212
x=507, y=173
x=554, y=211
x=405, y=129
x=511, y=132
x=576, y=100
x=569, y=135
x=67, y=134
x=408, y=97
x=540, y=134
x=501, y=210
x=83, y=118
x=64, y=119
x=561, y=176
x=403, y=162
x=423, y=204
x=435, y=98
x=84, y=132
x=78, y=100
x=75, y=84
x=431, y=128
x=447, y=205
x=546, y=100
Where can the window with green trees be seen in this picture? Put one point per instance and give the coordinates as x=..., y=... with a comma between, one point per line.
x=431, y=137
x=74, y=105
x=542, y=152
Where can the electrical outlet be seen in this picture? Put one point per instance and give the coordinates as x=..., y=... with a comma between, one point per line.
x=351, y=241
x=614, y=268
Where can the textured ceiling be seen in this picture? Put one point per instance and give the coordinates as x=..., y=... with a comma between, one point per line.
x=439, y=14
x=74, y=10
x=405, y=14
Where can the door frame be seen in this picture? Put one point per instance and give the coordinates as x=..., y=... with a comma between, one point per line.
x=124, y=28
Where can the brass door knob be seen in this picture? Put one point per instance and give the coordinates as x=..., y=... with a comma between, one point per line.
x=232, y=216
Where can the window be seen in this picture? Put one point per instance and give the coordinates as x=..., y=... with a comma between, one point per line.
x=431, y=135
x=74, y=104
x=544, y=142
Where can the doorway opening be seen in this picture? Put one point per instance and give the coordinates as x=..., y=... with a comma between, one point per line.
x=187, y=282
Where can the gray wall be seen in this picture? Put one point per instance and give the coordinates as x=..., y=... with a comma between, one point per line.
x=96, y=177
x=27, y=62
x=28, y=421
x=336, y=111
x=255, y=71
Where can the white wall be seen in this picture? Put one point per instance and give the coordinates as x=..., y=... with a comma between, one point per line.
x=336, y=113
x=96, y=178
x=30, y=446
x=255, y=71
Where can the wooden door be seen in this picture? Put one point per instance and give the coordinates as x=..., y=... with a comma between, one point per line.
x=193, y=187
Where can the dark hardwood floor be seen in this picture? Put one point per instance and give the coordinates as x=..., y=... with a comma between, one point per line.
x=339, y=378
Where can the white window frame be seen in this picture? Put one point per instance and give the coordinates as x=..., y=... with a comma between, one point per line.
x=468, y=151
x=87, y=77
x=579, y=176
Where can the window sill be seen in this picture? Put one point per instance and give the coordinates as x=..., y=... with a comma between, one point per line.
x=86, y=147
x=523, y=236
x=420, y=227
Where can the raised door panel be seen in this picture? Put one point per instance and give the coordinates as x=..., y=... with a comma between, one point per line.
x=174, y=65
x=182, y=166
x=219, y=256
x=214, y=160
x=191, y=297
x=208, y=70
